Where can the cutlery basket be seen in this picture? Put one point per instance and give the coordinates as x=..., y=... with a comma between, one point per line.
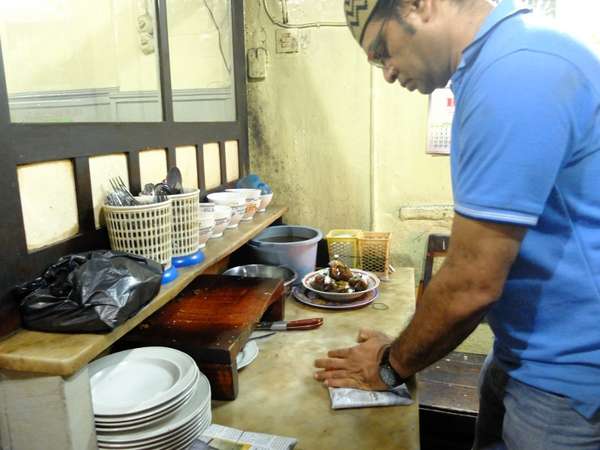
x=143, y=230
x=186, y=222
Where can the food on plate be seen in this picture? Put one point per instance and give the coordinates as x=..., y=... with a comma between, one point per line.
x=339, y=271
x=339, y=279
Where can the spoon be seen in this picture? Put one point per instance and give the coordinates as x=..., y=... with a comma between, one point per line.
x=174, y=180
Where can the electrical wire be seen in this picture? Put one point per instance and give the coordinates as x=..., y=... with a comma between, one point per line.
x=300, y=25
x=212, y=16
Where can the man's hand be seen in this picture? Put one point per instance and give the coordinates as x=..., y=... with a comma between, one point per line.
x=355, y=367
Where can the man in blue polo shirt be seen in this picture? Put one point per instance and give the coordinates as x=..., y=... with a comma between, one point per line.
x=525, y=246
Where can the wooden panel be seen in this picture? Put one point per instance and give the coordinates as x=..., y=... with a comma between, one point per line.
x=451, y=383
x=211, y=320
x=64, y=354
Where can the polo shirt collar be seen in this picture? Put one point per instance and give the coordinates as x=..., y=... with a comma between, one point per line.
x=506, y=9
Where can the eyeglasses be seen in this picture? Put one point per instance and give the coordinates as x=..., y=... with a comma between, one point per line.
x=378, y=51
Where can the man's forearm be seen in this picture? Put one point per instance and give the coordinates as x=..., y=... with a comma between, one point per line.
x=445, y=315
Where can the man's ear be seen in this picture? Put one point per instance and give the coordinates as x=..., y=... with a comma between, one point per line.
x=423, y=8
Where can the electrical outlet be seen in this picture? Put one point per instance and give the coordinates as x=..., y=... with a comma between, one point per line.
x=287, y=41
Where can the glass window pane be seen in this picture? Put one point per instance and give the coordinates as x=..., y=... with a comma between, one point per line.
x=81, y=61
x=201, y=59
x=48, y=202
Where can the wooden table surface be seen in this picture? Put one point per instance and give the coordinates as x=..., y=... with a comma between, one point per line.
x=278, y=395
x=64, y=354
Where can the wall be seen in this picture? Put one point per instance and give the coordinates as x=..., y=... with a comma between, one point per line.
x=338, y=145
x=309, y=121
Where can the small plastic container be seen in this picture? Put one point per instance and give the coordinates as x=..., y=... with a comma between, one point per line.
x=343, y=244
x=374, y=252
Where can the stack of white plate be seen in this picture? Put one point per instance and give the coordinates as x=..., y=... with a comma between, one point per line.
x=149, y=398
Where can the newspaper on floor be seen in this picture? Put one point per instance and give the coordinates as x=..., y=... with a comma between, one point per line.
x=226, y=438
x=343, y=398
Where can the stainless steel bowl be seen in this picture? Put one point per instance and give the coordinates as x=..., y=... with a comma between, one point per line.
x=284, y=273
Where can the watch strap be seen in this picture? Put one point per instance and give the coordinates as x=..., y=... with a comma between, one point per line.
x=385, y=362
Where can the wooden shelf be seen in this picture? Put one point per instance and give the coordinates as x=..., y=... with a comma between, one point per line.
x=64, y=354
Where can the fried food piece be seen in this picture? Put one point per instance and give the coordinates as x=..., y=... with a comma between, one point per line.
x=318, y=282
x=358, y=283
x=339, y=271
x=342, y=287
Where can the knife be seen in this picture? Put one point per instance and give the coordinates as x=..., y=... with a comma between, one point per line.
x=284, y=325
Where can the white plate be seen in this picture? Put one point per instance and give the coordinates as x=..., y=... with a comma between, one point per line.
x=151, y=415
x=247, y=355
x=307, y=297
x=103, y=427
x=119, y=390
x=171, y=441
x=192, y=411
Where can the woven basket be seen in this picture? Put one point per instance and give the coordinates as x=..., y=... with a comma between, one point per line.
x=374, y=252
x=186, y=222
x=343, y=244
x=143, y=230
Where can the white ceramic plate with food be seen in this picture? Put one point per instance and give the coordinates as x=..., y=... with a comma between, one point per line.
x=371, y=279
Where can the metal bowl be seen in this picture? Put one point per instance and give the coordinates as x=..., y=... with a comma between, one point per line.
x=265, y=271
x=372, y=280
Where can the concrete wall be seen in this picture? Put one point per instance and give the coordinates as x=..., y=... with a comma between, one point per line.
x=339, y=145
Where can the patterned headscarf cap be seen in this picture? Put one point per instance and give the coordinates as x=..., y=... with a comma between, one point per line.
x=358, y=13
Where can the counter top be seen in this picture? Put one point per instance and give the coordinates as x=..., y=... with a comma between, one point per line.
x=64, y=354
x=278, y=395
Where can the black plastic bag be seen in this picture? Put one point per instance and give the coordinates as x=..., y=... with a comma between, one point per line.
x=89, y=292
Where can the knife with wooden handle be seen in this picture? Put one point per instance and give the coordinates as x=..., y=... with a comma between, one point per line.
x=284, y=325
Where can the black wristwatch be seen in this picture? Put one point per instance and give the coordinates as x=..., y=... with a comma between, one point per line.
x=387, y=373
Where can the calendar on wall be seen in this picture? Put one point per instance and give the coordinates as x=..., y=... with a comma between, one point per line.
x=439, y=123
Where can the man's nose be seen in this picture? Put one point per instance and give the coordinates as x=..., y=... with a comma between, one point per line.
x=390, y=74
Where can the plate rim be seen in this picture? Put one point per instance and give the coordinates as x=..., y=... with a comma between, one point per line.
x=338, y=305
x=250, y=346
x=186, y=379
x=150, y=414
x=195, y=409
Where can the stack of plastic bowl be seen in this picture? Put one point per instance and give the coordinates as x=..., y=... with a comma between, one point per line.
x=222, y=219
x=207, y=222
x=253, y=201
x=265, y=199
x=236, y=201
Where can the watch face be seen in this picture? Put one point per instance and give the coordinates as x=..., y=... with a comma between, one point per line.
x=387, y=376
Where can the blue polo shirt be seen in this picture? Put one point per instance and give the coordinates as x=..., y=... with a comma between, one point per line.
x=526, y=151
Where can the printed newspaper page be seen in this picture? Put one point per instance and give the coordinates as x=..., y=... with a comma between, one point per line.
x=226, y=438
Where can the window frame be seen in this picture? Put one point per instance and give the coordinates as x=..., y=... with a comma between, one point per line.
x=26, y=143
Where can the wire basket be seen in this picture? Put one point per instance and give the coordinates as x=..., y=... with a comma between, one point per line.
x=143, y=230
x=343, y=245
x=186, y=222
x=374, y=252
